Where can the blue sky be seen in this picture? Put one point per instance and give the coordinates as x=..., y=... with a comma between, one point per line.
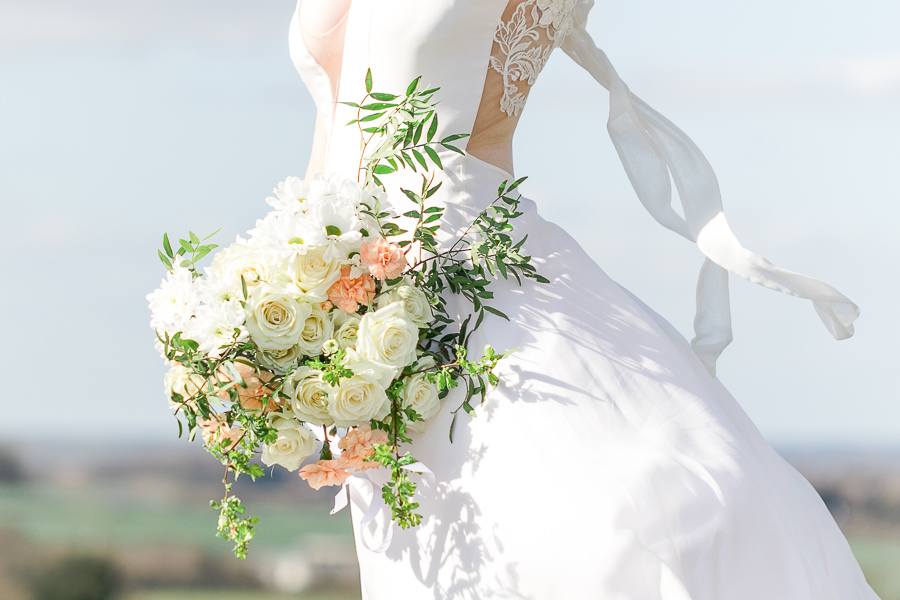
x=119, y=121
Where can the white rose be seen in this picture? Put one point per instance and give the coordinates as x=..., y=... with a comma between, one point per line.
x=421, y=395
x=388, y=336
x=346, y=327
x=275, y=319
x=358, y=399
x=317, y=328
x=314, y=272
x=414, y=301
x=309, y=396
x=359, y=364
x=280, y=361
x=241, y=259
x=293, y=445
x=184, y=382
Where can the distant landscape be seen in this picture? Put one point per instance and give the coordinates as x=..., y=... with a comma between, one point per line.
x=141, y=518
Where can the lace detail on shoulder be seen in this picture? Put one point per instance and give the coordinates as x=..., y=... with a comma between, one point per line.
x=524, y=51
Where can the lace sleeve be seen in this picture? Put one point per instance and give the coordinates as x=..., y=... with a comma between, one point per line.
x=525, y=40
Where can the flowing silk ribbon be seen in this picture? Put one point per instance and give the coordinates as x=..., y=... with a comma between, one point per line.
x=341, y=500
x=651, y=149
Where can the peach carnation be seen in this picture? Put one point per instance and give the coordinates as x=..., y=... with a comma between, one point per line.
x=357, y=445
x=384, y=259
x=253, y=395
x=349, y=292
x=325, y=472
x=215, y=430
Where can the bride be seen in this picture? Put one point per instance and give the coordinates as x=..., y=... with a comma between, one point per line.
x=609, y=463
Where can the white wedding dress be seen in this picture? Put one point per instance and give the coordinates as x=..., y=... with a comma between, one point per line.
x=609, y=463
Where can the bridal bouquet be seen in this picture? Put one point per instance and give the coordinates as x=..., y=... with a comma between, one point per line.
x=320, y=340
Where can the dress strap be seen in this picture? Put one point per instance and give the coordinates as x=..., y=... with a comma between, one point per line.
x=651, y=149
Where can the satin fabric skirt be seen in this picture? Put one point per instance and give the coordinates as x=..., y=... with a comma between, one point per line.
x=607, y=464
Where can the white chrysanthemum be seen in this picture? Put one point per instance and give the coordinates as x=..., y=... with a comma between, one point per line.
x=290, y=195
x=173, y=304
x=240, y=259
x=287, y=234
x=216, y=290
x=214, y=326
x=339, y=222
x=376, y=198
x=353, y=193
x=324, y=188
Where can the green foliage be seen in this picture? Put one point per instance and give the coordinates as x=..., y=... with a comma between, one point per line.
x=404, y=128
x=233, y=525
x=188, y=253
x=399, y=491
x=332, y=369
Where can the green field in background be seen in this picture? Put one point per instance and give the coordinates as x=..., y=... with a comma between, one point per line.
x=94, y=518
x=59, y=517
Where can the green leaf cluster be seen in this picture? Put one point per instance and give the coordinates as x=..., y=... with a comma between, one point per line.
x=398, y=492
x=404, y=129
x=188, y=253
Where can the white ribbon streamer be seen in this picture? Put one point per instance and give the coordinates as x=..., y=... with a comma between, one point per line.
x=651, y=149
x=341, y=500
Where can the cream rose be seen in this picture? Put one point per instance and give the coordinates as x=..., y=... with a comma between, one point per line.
x=317, y=328
x=294, y=444
x=421, y=395
x=314, y=272
x=346, y=328
x=184, y=382
x=358, y=363
x=388, y=336
x=280, y=361
x=241, y=259
x=414, y=301
x=309, y=396
x=358, y=399
x=275, y=318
